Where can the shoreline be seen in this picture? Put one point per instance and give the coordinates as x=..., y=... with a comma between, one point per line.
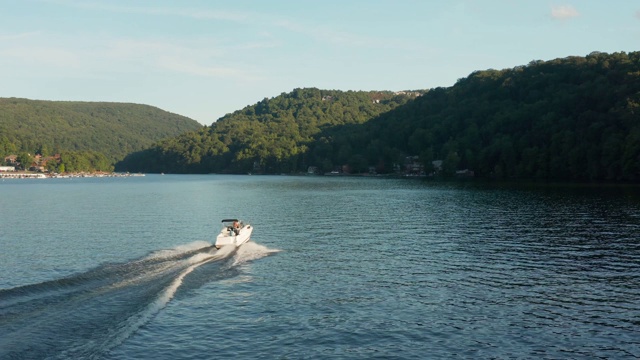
x=37, y=175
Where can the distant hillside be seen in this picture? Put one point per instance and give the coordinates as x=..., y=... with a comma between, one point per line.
x=113, y=129
x=271, y=136
x=570, y=119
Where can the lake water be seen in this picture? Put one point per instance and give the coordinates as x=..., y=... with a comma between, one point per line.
x=353, y=268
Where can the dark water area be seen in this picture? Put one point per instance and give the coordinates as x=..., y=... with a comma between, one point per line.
x=353, y=268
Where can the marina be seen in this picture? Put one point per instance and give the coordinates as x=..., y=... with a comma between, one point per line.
x=24, y=175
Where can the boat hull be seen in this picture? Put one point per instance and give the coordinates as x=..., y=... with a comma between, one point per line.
x=227, y=237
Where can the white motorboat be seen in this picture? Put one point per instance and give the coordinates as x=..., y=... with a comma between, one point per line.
x=234, y=232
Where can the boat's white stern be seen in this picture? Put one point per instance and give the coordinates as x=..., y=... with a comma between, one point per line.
x=228, y=237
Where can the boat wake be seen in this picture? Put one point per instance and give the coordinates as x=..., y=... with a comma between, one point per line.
x=85, y=315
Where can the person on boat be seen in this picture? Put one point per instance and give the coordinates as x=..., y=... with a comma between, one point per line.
x=236, y=227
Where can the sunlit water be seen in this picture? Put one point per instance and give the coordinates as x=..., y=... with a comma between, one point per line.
x=117, y=268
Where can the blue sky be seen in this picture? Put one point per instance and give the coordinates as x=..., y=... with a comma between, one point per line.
x=204, y=59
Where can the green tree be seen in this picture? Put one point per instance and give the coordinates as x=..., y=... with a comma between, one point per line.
x=52, y=166
x=43, y=150
x=6, y=147
x=24, y=159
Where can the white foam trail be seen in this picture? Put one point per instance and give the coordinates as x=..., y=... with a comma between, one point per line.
x=248, y=251
x=143, y=276
x=225, y=251
x=159, y=269
x=136, y=321
x=180, y=249
x=252, y=251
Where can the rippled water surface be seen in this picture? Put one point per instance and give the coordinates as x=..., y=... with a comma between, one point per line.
x=116, y=268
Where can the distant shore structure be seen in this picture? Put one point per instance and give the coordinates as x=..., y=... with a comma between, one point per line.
x=21, y=175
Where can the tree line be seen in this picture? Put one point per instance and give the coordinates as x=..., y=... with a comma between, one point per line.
x=574, y=119
x=65, y=161
x=111, y=129
x=272, y=136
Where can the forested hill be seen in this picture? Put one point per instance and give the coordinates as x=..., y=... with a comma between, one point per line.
x=572, y=119
x=575, y=118
x=113, y=129
x=272, y=136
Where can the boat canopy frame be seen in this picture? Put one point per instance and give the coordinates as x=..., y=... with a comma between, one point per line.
x=229, y=220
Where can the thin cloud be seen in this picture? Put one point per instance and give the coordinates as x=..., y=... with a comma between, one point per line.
x=18, y=36
x=189, y=67
x=39, y=59
x=35, y=48
x=190, y=59
x=563, y=12
x=638, y=14
x=163, y=11
x=319, y=33
x=96, y=56
x=326, y=34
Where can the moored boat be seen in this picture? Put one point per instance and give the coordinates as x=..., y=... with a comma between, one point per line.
x=234, y=232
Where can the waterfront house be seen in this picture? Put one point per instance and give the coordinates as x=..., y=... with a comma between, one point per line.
x=11, y=159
